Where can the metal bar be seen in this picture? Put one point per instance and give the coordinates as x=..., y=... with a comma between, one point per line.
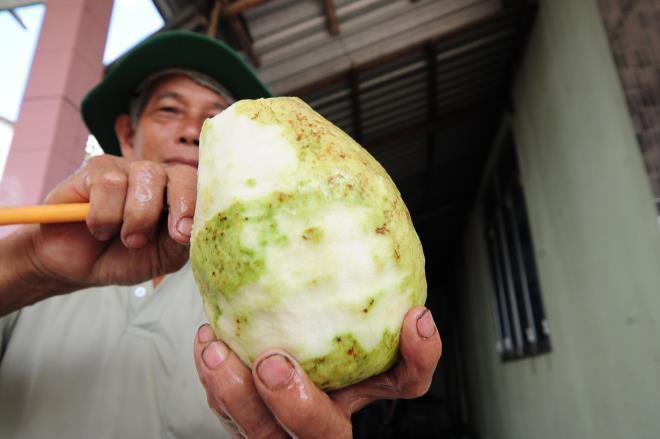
x=530, y=330
x=413, y=82
x=507, y=345
x=394, y=108
x=330, y=98
x=331, y=14
x=495, y=311
x=511, y=292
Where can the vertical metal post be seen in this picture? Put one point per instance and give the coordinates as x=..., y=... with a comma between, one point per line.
x=530, y=330
x=508, y=275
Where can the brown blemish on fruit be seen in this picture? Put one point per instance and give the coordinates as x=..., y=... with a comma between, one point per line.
x=371, y=303
x=313, y=234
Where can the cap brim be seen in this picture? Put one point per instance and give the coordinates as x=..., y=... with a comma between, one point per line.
x=167, y=50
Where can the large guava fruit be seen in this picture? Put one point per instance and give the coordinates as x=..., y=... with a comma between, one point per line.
x=301, y=241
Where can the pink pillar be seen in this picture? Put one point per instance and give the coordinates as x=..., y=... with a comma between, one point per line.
x=49, y=136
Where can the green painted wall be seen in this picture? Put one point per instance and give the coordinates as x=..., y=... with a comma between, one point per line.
x=597, y=246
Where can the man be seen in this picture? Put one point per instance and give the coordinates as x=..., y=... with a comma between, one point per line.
x=95, y=340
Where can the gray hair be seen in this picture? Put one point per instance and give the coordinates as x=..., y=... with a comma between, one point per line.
x=142, y=94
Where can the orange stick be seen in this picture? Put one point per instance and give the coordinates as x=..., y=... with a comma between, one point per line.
x=44, y=214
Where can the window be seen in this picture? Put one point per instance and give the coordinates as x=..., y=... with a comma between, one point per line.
x=522, y=328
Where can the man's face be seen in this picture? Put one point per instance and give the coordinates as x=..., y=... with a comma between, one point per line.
x=168, y=129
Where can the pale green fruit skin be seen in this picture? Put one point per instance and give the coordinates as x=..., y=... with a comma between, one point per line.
x=301, y=241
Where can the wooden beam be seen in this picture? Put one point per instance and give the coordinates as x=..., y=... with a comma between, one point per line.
x=331, y=15
x=354, y=80
x=237, y=26
x=241, y=6
x=243, y=38
x=214, y=17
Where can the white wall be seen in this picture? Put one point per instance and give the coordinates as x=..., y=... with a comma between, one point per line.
x=597, y=247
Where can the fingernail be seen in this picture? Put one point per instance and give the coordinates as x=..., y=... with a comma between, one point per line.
x=205, y=334
x=136, y=240
x=275, y=371
x=214, y=354
x=184, y=226
x=425, y=325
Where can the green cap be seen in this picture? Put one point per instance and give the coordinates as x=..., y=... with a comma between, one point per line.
x=163, y=51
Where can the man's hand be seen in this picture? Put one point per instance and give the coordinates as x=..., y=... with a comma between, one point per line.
x=277, y=398
x=125, y=239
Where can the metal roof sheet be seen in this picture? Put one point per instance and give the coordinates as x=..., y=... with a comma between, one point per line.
x=420, y=83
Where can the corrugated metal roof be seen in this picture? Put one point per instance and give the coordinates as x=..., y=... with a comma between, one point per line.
x=420, y=83
x=295, y=47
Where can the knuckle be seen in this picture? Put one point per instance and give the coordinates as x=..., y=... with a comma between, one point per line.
x=147, y=167
x=113, y=179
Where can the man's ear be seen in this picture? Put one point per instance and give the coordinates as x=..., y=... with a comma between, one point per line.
x=125, y=132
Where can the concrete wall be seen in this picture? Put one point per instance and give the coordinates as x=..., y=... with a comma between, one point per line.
x=597, y=245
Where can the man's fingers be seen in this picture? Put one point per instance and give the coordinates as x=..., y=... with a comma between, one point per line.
x=181, y=197
x=230, y=390
x=132, y=193
x=74, y=189
x=144, y=203
x=299, y=406
x=107, y=183
x=420, y=348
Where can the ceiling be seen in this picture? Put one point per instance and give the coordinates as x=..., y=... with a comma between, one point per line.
x=421, y=84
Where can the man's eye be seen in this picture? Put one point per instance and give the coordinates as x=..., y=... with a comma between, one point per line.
x=171, y=110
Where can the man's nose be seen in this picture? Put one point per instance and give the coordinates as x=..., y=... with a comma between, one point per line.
x=189, y=134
